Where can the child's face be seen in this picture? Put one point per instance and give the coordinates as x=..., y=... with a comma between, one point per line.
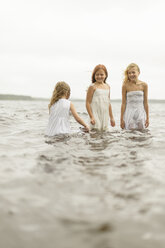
x=133, y=74
x=100, y=76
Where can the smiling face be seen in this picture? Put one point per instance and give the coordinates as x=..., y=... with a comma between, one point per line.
x=100, y=76
x=133, y=74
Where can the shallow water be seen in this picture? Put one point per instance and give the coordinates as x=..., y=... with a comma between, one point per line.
x=97, y=190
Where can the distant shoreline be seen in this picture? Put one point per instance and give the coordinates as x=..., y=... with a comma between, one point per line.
x=11, y=97
x=21, y=97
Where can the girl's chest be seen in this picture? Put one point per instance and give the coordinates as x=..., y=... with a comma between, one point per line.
x=101, y=92
x=135, y=87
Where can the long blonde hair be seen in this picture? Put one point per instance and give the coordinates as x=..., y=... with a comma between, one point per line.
x=61, y=89
x=130, y=66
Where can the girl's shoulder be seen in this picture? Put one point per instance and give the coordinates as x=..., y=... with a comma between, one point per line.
x=68, y=102
x=107, y=85
x=64, y=102
x=143, y=84
x=92, y=87
x=124, y=85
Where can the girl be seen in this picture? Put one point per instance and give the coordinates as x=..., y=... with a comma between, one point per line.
x=59, y=108
x=98, y=100
x=134, y=108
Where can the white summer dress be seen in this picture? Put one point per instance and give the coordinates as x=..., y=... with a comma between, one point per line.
x=135, y=114
x=59, y=118
x=100, y=109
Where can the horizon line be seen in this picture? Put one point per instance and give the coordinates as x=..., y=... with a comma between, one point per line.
x=27, y=97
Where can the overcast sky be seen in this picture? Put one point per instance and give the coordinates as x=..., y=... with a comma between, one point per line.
x=45, y=41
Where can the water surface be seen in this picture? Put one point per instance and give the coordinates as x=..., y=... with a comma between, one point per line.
x=92, y=190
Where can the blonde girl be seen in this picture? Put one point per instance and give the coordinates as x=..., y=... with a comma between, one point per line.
x=59, y=109
x=134, y=108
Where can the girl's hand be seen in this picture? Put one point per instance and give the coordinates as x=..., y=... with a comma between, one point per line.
x=86, y=129
x=112, y=122
x=122, y=124
x=93, y=121
x=147, y=123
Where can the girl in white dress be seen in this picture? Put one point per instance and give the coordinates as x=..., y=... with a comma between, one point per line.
x=134, y=108
x=98, y=100
x=59, y=109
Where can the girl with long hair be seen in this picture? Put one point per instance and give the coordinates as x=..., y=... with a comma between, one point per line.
x=59, y=109
x=98, y=100
x=134, y=107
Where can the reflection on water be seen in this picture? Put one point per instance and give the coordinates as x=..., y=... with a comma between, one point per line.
x=97, y=189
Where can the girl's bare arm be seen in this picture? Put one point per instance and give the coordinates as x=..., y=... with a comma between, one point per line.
x=123, y=105
x=110, y=112
x=76, y=116
x=89, y=96
x=146, y=104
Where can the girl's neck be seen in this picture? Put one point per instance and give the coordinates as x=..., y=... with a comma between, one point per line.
x=134, y=81
x=99, y=83
x=64, y=97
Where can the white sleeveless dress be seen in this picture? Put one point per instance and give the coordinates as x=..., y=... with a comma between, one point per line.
x=59, y=118
x=135, y=114
x=100, y=109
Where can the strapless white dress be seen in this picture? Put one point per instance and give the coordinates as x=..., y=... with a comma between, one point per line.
x=59, y=118
x=135, y=114
x=100, y=109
